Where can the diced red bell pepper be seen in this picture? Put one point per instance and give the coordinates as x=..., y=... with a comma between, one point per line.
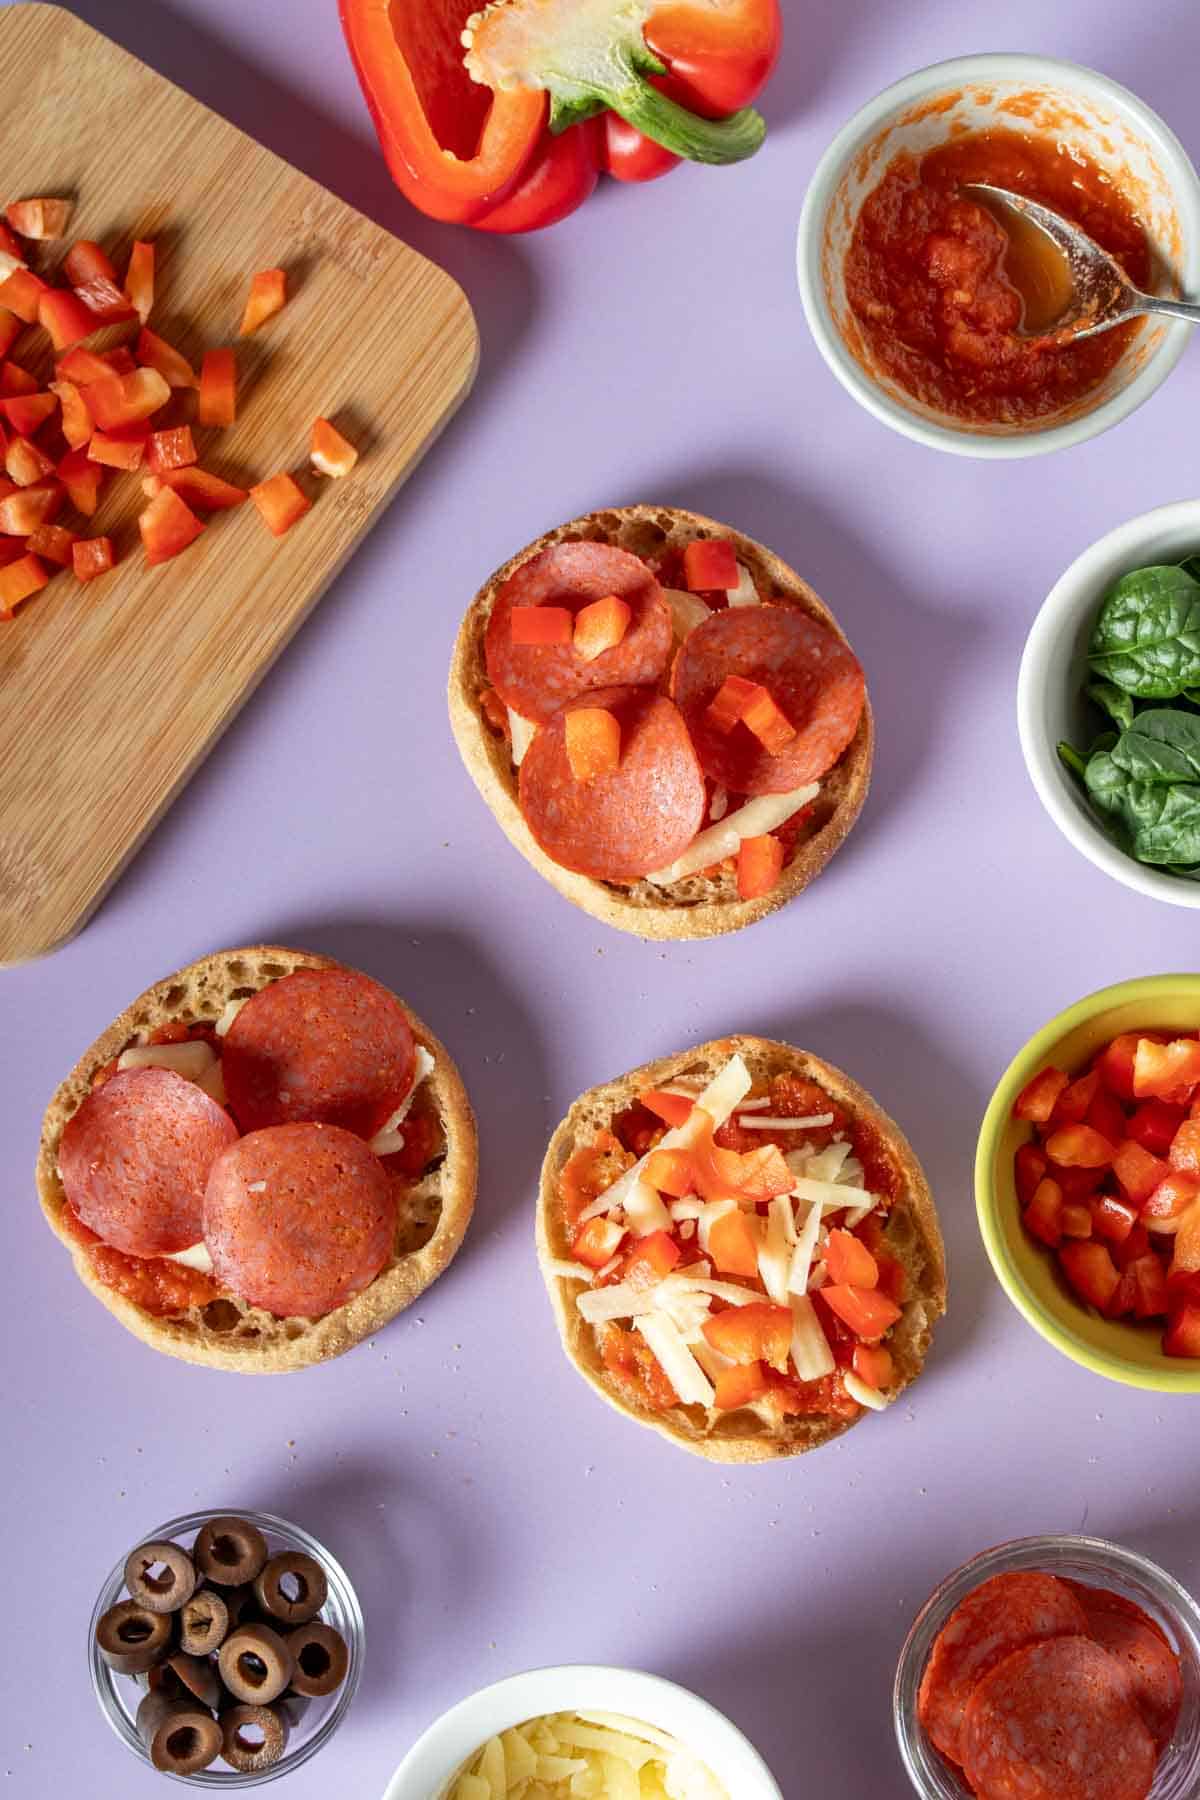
x=597, y=1242
x=92, y=557
x=1138, y=1172
x=729, y=703
x=167, y=526
x=764, y=1174
x=1113, y=1219
x=1150, y=1286
x=24, y=511
x=217, y=403
x=1124, y=1296
x=1043, y=1216
x=759, y=866
x=62, y=313
x=655, y=1255
x=1115, y=1062
x=593, y=741
x=139, y=280
x=39, y=219
x=1185, y=1259
x=125, y=453
x=672, y=1109
x=759, y=1332
x=27, y=413
x=330, y=453
x=126, y=399
x=268, y=293
x=205, y=491
x=82, y=479
x=174, y=449
x=1163, y=1209
x=280, y=502
x=53, y=543
x=1107, y=1116
x=1153, y=1125
x=77, y=426
x=866, y=1311
x=1182, y=1336
x=874, y=1365
x=536, y=626
x=1183, y=1152
x=739, y=1386
x=708, y=564
x=88, y=261
x=1071, y=1107
x=21, y=293
x=671, y=1172
x=10, y=330
x=770, y=726
x=1039, y=1097
x=1076, y=1220
x=85, y=366
x=1079, y=1147
x=105, y=300
x=19, y=582
x=600, y=626
x=12, y=251
x=733, y=1245
x=1166, y=1071
x=1090, y=1270
x=24, y=463
x=849, y=1262
x=153, y=352
x=1029, y=1168
x=1135, y=1245
x=16, y=380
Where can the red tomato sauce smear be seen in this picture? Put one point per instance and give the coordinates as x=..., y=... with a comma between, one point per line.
x=926, y=282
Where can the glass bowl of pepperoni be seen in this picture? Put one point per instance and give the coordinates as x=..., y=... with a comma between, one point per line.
x=312, y=1719
x=1108, y=1648
x=1062, y=1271
x=906, y=282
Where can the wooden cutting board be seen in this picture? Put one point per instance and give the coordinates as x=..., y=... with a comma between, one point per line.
x=111, y=694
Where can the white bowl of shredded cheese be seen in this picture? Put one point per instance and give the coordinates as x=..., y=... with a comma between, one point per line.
x=583, y=1733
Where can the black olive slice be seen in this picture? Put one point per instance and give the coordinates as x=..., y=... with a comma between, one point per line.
x=160, y=1575
x=131, y=1638
x=230, y=1550
x=292, y=1587
x=320, y=1658
x=181, y=1737
x=255, y=1664
x=203, y=1622
x=253, y=1737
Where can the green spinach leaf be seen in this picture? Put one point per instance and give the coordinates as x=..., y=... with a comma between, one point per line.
x=1148, y=787
x=1146, y=639
x=1112, y=700
x=1191, y=566
x=1073, y=761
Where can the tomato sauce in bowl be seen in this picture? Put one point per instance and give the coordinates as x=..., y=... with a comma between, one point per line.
x=929, y=284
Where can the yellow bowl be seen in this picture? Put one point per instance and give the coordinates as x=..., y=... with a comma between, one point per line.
x=1118, y=1349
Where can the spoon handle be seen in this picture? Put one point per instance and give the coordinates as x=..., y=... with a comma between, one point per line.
x=1173, y=309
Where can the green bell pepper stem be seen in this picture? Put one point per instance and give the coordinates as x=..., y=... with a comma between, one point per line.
x=657, y=116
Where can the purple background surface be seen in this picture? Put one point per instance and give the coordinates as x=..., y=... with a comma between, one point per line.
x=493, y=1513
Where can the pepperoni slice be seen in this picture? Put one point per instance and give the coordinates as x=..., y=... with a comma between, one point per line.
x=813, y=678
x=997, y=1618
x=1054, y=1721
x=322, y=1044
x=535, y=680
x=1129, y=1634
x=620, y=826
x=135, y=1158
x=299, y=1218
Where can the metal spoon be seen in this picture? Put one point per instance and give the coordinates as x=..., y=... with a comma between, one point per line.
x=1098, y=292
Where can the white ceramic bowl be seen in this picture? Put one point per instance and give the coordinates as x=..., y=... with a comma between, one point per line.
x=434, y=1761
x=1117, y=130
x=1050, y=702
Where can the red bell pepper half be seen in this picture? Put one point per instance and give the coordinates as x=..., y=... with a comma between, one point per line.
x=511, y=136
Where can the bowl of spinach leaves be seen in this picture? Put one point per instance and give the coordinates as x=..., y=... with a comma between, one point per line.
x=1109, y=704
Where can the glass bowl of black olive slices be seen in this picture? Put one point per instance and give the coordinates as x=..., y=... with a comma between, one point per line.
x=225, y=1648
x=1108, y=704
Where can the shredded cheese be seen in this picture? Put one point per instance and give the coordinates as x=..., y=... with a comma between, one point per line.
x=802, y=1255
x=718, y=806
x=569, y=1271
x=745, y=593
x=389, y=1138
x=194, y=1257
x=756, y=1122
x=755, y=819
x=191, y=1059
x=865, y=1395
x=687, y=611
x=521, y=734
x=232, y=1009
x=678, y=1364
x=810, y=1347
x=584, y=1756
